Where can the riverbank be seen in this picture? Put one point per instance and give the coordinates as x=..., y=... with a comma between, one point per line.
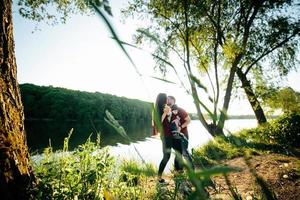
x=262, y=176
x=258, y=163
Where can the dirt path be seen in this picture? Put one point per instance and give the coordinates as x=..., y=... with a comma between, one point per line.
x=269, y=173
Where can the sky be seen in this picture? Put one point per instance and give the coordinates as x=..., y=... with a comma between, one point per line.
x=80, y=55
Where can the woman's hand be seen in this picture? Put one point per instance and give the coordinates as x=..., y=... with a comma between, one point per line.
x=167, y=109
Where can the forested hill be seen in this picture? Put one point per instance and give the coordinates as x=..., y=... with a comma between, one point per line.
x=41, y=102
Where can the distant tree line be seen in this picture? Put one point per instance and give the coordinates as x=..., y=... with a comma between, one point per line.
x=47, y=102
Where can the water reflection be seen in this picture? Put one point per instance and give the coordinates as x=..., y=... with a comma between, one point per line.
x=151, y=148
x=40, y=132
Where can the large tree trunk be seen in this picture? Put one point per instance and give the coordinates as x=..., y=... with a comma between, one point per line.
x=256, y=107
x=16, y=177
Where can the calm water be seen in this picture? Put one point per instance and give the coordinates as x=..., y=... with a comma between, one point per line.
x=151, y=148
x=39, y=133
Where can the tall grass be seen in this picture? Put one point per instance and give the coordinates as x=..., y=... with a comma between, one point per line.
x=89, y=172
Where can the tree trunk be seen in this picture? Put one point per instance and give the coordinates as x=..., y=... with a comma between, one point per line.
x=233, y=69
x=223, y=115
x=257, y=109
x=16, y=177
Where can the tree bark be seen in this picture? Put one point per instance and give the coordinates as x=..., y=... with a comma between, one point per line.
x=16, y=176
x=255, y=104
x=223, y=115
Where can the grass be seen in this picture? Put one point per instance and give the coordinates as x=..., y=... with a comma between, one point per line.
x=136, y=168
x=90, y=172
x=278, y=136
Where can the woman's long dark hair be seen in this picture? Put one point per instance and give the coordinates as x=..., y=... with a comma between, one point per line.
x=160, y=103
x=158, y=110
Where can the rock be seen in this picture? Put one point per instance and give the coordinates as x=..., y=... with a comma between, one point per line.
x=285, y=164
x=285, y=176
x=249, y=198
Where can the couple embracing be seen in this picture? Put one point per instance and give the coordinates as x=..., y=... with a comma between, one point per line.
x=171, y=122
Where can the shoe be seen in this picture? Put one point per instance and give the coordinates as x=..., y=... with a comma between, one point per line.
x=161, y=180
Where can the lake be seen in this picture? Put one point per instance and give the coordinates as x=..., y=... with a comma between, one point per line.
x=150, y=148
x=41, y=133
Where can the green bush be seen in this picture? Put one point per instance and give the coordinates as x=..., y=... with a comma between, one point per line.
x=88, y=172
x=286, y=130
x=81, y=174
x=283, y=131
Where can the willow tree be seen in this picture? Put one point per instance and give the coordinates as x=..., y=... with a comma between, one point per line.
x=256, y=31
x=215, y=36
x=274, y=39
x=174, y=30
x=16, y=175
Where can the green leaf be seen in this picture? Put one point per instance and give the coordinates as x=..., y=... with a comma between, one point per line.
x=115, y=36
x=214, y=117
x=198, y=82
x=107, y=7
x=115, y=124
x=149, y=35
x=162, y=79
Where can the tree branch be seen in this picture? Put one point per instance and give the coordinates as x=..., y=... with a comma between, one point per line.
x=206, y=70
x=173, y=23
x=215, y=24
x=280, y=44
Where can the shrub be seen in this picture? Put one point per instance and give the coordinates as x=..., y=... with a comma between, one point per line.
x=88, y=172
x=283, y=131
x=81, y=174
x=286, y=130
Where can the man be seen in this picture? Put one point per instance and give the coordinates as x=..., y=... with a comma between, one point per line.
x=181, y=120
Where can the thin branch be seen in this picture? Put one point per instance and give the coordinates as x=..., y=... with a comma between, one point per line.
x=216, y=97
x=280, y=44
x=216, y=57
x=213, y=22
x=173, y=23
x=178, y=54
x=249, y=23
x=206, y=70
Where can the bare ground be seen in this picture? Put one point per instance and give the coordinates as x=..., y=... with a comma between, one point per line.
x=270, y=174
x=262, y=176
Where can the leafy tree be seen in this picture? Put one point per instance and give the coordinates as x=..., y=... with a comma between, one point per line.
x=285, y=99
x=174, y=30
x=218, y=38
x=274, y=39
x=16, y=176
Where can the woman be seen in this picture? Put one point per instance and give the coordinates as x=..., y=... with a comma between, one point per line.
x=162, y=124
